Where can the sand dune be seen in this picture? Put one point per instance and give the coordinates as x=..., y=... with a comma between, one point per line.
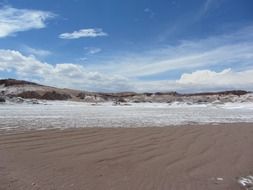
x=186, y=157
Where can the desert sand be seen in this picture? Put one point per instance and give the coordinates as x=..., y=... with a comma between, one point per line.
x=201, y=157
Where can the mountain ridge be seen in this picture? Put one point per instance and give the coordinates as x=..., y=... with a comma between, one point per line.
x=30, y=90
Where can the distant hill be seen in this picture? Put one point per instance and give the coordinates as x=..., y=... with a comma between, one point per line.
x=13, y=82
x=30, y=90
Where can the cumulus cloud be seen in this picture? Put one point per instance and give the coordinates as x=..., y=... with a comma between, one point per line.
x=61, y=75
x=84, y=33
x=14, y=20
x=78, y=77
x=227, y=77
x=23, y=65
x=201, y=81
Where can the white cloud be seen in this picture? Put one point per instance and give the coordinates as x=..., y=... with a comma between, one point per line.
x=92, y=50
x=207, y=79
x=84, y=33
x=78, y=77
x=211, y=4
x=14, y=20
x=61, y=75
x=223, y=51
x=23, y=65
x=150, y=12
x=207, y=5
x=36, y=52
x=201, y=81
x=123, y=73
x=82, y=59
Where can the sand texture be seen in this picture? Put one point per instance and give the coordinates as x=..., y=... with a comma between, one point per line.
x=165, y=158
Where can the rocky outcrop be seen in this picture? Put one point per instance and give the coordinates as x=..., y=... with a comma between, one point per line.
x=81, y=95
x=52, y=95
x=13, y=82
x=2, y=100
x=55, y=96
x=223, y=93
x=29, y=95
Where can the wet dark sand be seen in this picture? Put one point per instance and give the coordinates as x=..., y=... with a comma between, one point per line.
x=169, y=158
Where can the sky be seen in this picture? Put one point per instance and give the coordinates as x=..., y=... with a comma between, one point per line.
x=116, y=45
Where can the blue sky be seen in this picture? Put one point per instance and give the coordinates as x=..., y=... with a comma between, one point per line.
x=115, y=45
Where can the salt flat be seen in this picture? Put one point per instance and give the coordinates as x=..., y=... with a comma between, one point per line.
x=67, y=114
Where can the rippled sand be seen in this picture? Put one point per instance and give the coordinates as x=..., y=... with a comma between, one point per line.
x=181, y=158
